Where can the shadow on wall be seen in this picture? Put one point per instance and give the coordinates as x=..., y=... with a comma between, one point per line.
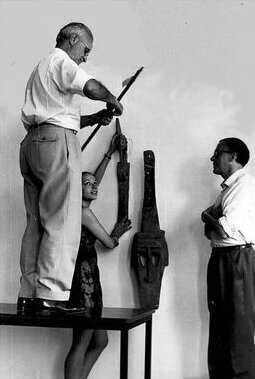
x=189, y=254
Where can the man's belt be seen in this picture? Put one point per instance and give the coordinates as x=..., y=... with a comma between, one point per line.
x=45, y=123
x=227, y=249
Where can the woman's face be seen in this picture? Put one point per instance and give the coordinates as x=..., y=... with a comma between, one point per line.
x=89, y=187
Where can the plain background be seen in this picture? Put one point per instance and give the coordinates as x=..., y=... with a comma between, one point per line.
x=197, y=87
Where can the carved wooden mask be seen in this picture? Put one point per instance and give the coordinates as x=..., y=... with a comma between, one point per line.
x=149, y=254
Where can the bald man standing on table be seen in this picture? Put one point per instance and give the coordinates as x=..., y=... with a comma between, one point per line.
x=50, y=162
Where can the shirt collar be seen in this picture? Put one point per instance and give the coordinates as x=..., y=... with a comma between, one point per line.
x=233, y=178
x=61, y=52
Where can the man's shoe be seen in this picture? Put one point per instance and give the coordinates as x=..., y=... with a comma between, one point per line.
x=62, y=306
x=27, y=304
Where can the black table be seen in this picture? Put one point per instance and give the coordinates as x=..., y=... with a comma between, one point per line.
x=121, y=319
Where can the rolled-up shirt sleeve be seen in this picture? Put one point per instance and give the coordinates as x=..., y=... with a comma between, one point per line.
x=230, y=228
x=235, y=210
x=69, y=77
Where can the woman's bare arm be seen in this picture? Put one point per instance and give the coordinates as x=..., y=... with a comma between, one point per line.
x=100, y=170
x=95, y=227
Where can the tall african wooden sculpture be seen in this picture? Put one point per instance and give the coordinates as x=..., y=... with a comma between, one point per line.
x=149, y=254
x=123, y=169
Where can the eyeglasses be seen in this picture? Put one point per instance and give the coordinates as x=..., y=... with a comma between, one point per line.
x=86, y=49
x=217, y=153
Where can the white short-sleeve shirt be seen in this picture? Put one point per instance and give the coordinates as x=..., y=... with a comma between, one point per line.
x=52, y=92
x=237, y=202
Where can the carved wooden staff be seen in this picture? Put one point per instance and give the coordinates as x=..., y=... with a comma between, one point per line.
x=129, y=84
x=123, y=169
x=150, y=221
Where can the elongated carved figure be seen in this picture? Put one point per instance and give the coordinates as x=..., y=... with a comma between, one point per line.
x=149, y=254
x=123, y=169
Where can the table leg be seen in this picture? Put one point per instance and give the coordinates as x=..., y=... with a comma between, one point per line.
x=148, y=330
x=124, y=354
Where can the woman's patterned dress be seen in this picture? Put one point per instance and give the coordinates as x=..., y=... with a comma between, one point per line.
x=86, y=288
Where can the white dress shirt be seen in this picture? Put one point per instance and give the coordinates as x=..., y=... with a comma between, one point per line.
x=237, y=202
x=51, y=92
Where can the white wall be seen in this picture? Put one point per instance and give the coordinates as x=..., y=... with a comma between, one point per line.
x=196, y=88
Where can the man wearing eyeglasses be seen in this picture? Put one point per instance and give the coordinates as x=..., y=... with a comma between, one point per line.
x=50, y=162
x=230, y=226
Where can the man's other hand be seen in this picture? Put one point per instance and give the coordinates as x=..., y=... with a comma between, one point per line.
x=103, y=117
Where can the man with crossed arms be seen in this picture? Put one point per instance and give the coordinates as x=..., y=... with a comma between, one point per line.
x=230, y=226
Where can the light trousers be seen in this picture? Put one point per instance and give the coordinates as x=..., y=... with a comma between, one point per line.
x=50, y=163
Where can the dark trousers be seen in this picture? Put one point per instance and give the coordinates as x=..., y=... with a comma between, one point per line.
x=231, y=302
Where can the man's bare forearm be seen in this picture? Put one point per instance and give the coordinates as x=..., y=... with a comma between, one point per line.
x=102, y=117
x=95, y=90
x=86, y=121
x=214, y=224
